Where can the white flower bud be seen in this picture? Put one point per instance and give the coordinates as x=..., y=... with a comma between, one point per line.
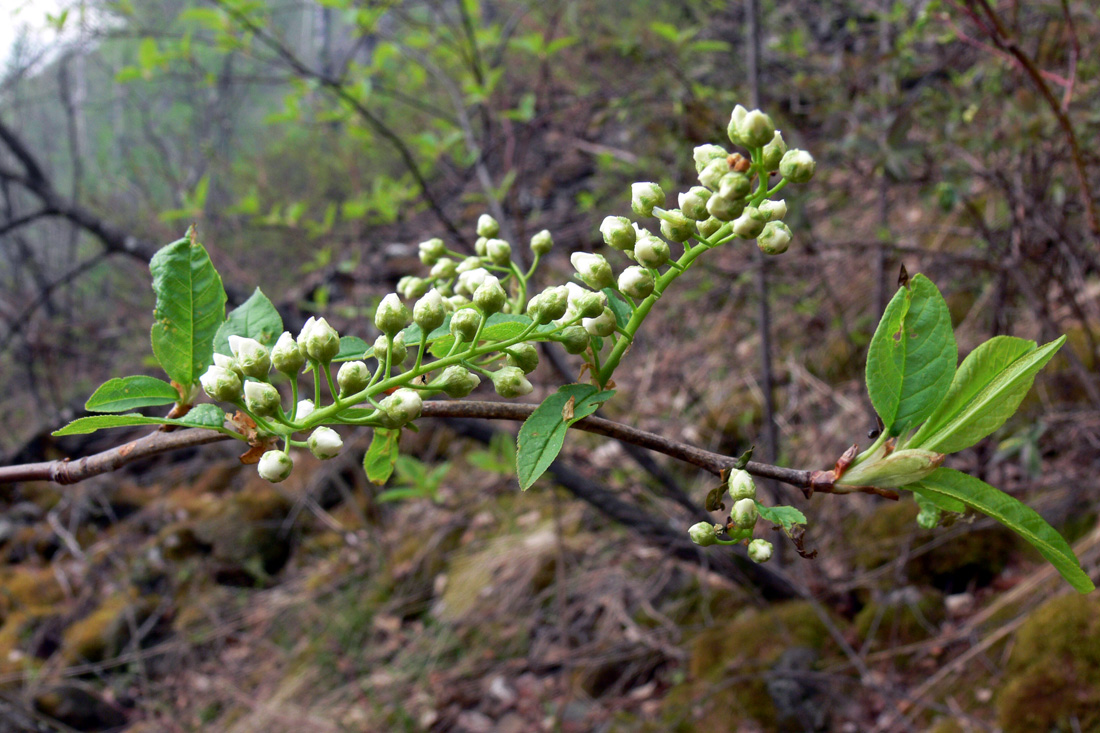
x=651, y=252
x=226, y=362
x=458, y=381
x=797, y=166
x=593, y=270
x=391, y=315
x=221, y=384
x=275, y=466
x=412, y=287
x=429, y=313
x=741, y=485
x=261, y=398
x=318, y=340
x=750, y=224
x=499, y=252
x=637, y=282
x=304, y=409
x=479, y=246
x=574, y=339
x=676, y=226
x=468, y=264
x=487, y=226
x=755, y=129
x=773, y=152
x=760, y=550
x=469, y=281
x=703, y=534
x=399, y=352
x=353, y=377
x=464, y=324
x=589, y=304
x=522, y=355
x=490, y=296
x=549, y=305
x=618, y=232
x=602, y=325
x=509, y=381
x=774, y=239
x=725, y=209
x=253, y=358
x=773, y=210
x=286, y=357
x=744, y=514
x=431, y=251
x=734, y=186
x=705, y=154
x=324, y=443
x=709, y=226
x=444, y=269
x=693, y=202
x=400, y=408
x=733, y=128
x=713, y=173
x=542, y=243
x=644, y=196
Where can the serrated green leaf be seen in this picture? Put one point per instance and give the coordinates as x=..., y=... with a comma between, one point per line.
x=256, y=318
x=128, y=393
x=200, y=416
x=380, y=458
x=786, y=516
x=619, y=307
x=948, y=484
x=986, y=395
x=543, y=432
x=189, y=309
x=912, y=356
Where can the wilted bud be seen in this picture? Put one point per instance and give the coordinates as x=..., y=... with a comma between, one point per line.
x=261, y=398
x=253, y=358
x=304, y=409
x=324, y=443
x=703, y=534
x=709, y=226
x=354, y=376
x=522, y=355
x=499, y=252
x=428, y=313
x=487, y=226
x=542, y=242
x=775, y=238
x=470, y=280
x=733, y=129
x=741, y=485
x=725, y=209
x=896, y=469
x=644, y=196
x=618, y=232
x=602, y=325
x=734, y=186
x=490, y=296
x=574, y=339
x=221, y=384
x=676, y=226
x=510, y=381
x=797, y=166
x=773, y=152
x=589, y=304
x=755, y=129
x=431, y=251
x=391, y=315
x=318, y=340
x=458, y=381
x=651, y=252
x=468, y=264
x=593, y=270
x=705, y=154
x=744, y=513
x=397, y=348
x=637, y=282
x=750, y=224
x=400, y=408
x=693, y=202
x=286, y=357
x=275, y=466
x=713, y=173
x=444, y=269
x=773, y=210
x=464, y=324
x=760, y=550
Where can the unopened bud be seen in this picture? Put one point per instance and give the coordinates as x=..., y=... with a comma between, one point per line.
x=499, y=252
x=618, y=232
x=725, y=209
x=709, y=226
x=431, y=251
x=487, y=226
x=397, y=348
x=464, y=324
x=644, y=196
x=574, y=339
x=318, y=340
x=593, y=270
x=713, y=173
x=651, y=252
x=353, y=377
x=773, y=210
x=468, y=264
x=775, y=238
x=554, y=301
x=261, y=398
x=429, y=313
x=412, y=287
x=705, y=154
x=253, y=358
x=400, y=408
x=589, y=304
x=602, y=325
x=703, y=534
x=221, y=384
x=522, y=355
x=391, y=315
x=469, y=281
x=896, y=469
x=510, y=381
x=458, y=381
x=734, y=186
x=637, y=282
x=773, y=152
x=755, y=129
x=444, y=269
x=479, y=246
x=676, y=226
x=275, y=466
x=797, y=166
x=490, y=296
x=744, y=513
x=741, y=485
x=286, y=357
x=542, y=243
x=750, y=224
x=304, y=409
x=760, y=550
x=733, y=129
x=324, y=443
x=693, y=202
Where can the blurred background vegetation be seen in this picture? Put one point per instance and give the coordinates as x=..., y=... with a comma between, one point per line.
x=315, y=143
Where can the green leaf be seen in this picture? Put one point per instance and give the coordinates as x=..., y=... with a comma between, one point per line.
x=619, y=307
x=543, y=432
x=986, y=391
x=935, y=499
x=947, y=484
x=352, y=348
x=912, y=356
x=379, y=460
x=128, y=393
x=256, y=318
x=200, y=416
x=787, y=516
x=190, y=307
x=499, y=327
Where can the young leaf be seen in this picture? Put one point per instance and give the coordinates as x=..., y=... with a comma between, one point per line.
x=947, y=484
x=200, y=416
x=985, y=393
x=190, y=307
x=543, y=432
x=256, y=318
x=351, y=348
x=129, y=393
x=499, y=327
x=379, y=460
x=787, y=516
x=619, y=307
x=912, y=356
